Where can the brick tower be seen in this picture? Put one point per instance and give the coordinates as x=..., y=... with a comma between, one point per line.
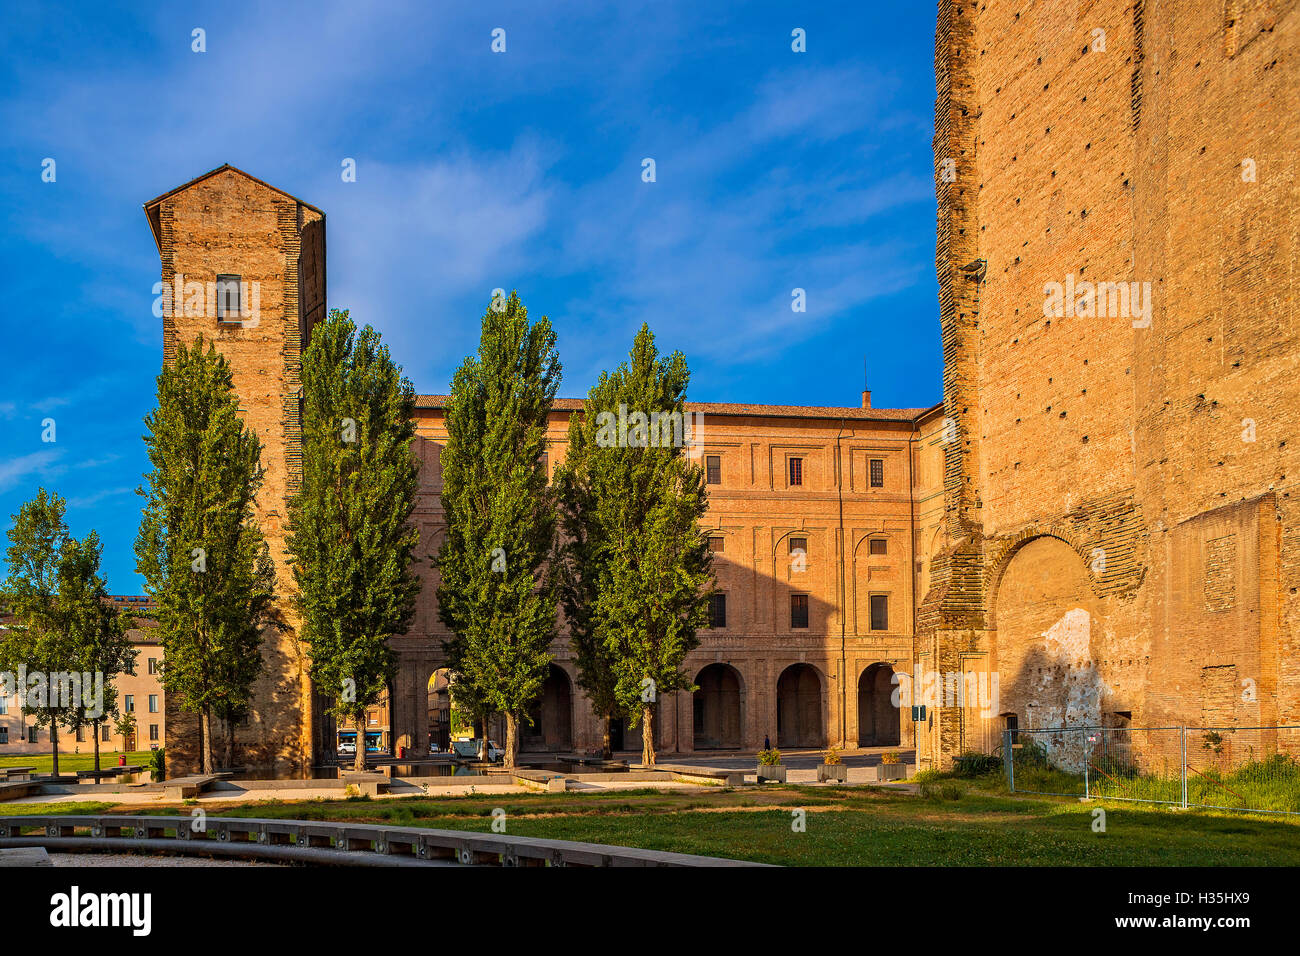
x=243, y=266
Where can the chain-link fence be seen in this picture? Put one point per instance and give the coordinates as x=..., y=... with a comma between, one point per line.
x=1227, y=768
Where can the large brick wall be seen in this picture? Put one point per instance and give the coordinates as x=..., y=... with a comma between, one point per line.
x=228, y=223
x=1119, y=142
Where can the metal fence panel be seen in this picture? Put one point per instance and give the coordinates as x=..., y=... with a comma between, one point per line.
x=1228, y=768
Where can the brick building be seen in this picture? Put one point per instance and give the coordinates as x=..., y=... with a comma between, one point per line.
x=1119, y=541
x=1096, y=521
x=139, y=693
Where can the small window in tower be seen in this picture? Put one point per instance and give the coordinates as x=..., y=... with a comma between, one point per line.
x=796, y=471
x=879, y=546
x=877, y=473
x=228, y=298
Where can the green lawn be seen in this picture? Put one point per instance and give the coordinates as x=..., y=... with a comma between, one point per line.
x=845, y=826
x=70, y=762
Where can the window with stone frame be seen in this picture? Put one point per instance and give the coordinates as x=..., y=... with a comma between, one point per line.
x=877, y=467
x=798, y=611
x=713, y=469
x=880, y=612
x=717, y=610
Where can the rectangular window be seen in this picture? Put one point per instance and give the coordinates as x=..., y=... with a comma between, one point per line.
x=877, y=473
x=796, y=471
x=798, y=610
x=153, y=665
x=4, y=704
x=129, y=703
x=1013, y=725
x=104, y=735
x=879, y=546
x=4, y=735
x=879, y=612
x=31, y=735
x=717, y=610
x=717, y=542
x=799, y=546
x=153, y=703
x=713, y=469
x=227, y=298
x=81, y=735
x=153, y=731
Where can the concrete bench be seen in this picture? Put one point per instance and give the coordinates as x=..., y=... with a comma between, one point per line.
x=706, y=775
x=16, y=773
x=186, y=788
x=371, y=784
x=540, y=780
x=13, y=789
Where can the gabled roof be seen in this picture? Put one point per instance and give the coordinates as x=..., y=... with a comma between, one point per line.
x=151, y=207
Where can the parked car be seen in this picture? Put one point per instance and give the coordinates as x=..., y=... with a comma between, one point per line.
x=347, y=750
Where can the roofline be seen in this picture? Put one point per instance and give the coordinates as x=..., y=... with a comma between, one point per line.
x=740, y=410
x=212, y=172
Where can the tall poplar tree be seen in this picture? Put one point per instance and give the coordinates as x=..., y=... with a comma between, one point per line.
x=352, y=537
x=636, y=571
x=494, y=593
x=199, y=547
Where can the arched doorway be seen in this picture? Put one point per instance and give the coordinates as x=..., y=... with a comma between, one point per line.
x=799, y=708
x=439, y=728
x=878, y=718
x=717, y=718
x=551, y=727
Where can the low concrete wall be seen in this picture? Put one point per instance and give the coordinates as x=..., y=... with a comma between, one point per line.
x=324, y=842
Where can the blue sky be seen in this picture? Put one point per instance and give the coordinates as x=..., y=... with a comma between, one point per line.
x=475, y=169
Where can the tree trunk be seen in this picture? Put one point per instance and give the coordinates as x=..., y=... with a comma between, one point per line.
x=54, y=744
x=94, y=729
x=606, y=753
x=512, y=739
x=359, y=760
x=205, y=740
x=648, y=736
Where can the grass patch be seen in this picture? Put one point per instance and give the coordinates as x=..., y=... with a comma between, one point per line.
x=846, y=826
x=71, y=762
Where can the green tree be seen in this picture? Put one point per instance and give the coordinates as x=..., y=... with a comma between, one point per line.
x=636, y=572
x=494, y=594
x=352, y=536
x=36, y=645
x=97, y=632
x=199, y=548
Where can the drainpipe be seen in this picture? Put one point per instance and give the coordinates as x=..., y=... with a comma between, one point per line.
x=839, y=487
x=911, y=575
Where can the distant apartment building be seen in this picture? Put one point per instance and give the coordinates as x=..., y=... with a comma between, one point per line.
x=139, y=695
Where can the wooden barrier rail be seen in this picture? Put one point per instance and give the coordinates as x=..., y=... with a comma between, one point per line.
x=325, y=842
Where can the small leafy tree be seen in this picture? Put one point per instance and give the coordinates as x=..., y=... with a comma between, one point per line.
x=37, y=642
x=352, y=536
x=199, y=548
x=97, y=632
x=494, y=594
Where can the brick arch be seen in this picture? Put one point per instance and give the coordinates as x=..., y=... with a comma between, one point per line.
x=891, y=536
x=1011, y=547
